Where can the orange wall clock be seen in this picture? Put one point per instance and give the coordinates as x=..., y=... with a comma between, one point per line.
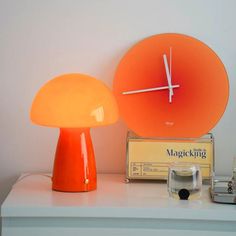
x=171, y=85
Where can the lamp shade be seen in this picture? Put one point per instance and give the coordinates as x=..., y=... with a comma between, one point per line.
x=74, y=103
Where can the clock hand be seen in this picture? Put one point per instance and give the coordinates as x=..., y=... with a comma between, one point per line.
x=168, y=77
x=172, y=93
x=150, y=89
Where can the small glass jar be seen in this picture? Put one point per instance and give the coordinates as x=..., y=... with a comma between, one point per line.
x=184, y=181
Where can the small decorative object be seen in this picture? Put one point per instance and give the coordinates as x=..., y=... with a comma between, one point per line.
x=74, y=103
x=171, y=86
x=223, y=189
x=184, y=181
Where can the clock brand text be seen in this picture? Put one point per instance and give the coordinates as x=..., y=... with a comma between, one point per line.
x=194, y=153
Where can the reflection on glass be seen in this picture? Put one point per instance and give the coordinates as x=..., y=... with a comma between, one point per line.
x=98, y=114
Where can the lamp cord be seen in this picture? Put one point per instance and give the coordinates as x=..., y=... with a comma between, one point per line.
x=30, y=174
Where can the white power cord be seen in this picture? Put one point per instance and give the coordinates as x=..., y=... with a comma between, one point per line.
x=30, y=174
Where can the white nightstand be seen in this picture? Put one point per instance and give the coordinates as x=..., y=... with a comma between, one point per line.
x=115, y=208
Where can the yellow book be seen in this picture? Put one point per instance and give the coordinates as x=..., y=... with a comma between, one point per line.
x=149, y=158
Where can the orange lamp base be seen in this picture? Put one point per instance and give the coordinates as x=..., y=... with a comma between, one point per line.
x=74, y=166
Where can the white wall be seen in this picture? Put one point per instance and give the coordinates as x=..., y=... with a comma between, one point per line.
x=42, y=39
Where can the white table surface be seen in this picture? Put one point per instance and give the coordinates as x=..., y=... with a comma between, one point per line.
x=32, y=198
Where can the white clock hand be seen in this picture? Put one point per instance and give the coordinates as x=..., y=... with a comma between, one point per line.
x=168, y=77
x=172, y=92
x=150, y=89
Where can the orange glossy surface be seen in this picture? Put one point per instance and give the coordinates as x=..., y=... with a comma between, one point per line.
x=197, y=104
x=74, y=100
x=74, y=165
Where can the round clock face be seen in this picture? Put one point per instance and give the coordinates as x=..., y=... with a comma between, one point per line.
x=171, y=85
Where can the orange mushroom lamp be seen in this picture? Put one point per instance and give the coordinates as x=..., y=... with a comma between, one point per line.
x=74, y=103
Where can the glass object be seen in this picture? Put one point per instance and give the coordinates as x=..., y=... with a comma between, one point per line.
x=184, y=181
x=74, y=103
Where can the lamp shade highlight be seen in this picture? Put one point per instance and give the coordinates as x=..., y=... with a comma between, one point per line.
x=74, y=103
